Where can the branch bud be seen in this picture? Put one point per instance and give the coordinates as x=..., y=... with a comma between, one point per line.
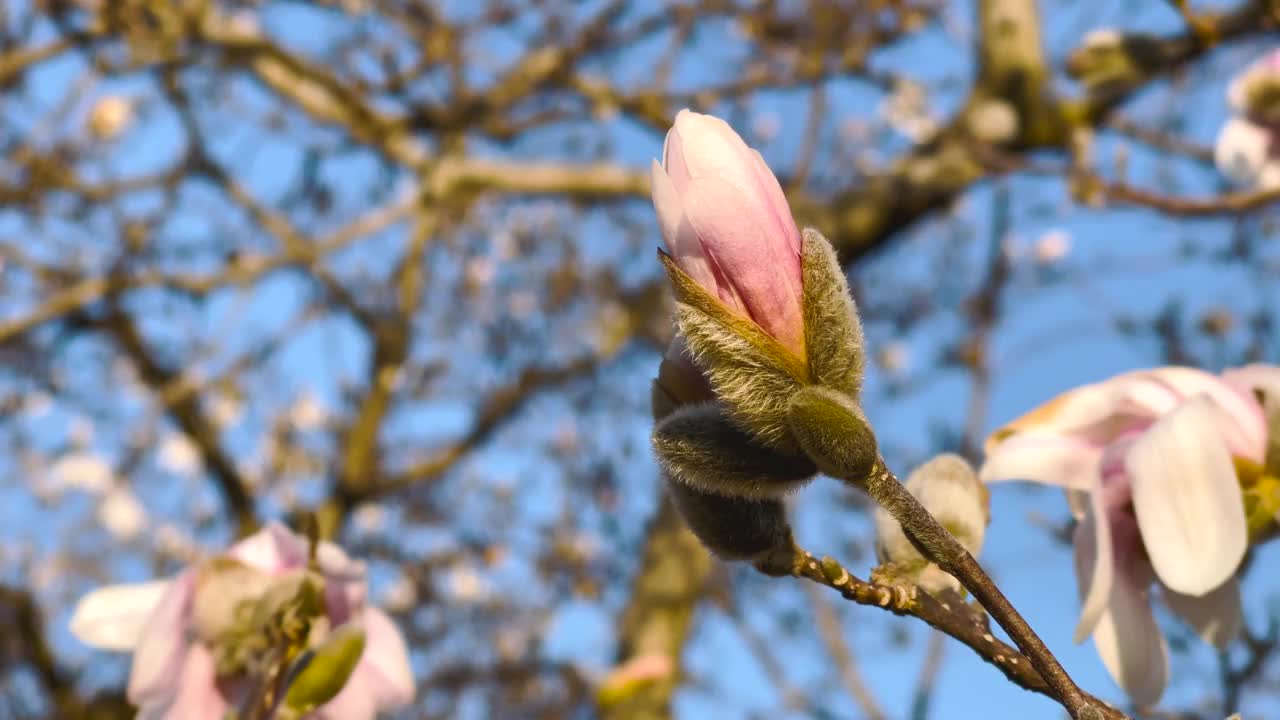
x=949, y=489
x=833, y=432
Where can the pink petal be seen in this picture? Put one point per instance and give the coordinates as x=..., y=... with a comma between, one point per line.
x=1187, y=500
x=197, y=696
x=777, y=201
x=1217, y=617
x=703, y=146
x=163, y=644
x=1240, y=420
x=353, y=702
x=275, y=548
x=345, y=582
x=1095, y=565
x=1255, y=378
x=1044, y=457
x=762, y=269
x=1131, y=644
x=673, y=156
x=382, y=680
x=1087, y=408
x=707, y=148
x=113, y=617
x=679, y=235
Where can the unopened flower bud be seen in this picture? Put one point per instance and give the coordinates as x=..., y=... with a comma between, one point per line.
x=728, y=225
x=323, y=672
x=949, y=489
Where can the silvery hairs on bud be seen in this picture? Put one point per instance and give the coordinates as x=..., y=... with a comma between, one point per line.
x=949, y=489
x=834, y=433
x=699, y=447
x=832, y=330
x=733, y=528
x=750, y=371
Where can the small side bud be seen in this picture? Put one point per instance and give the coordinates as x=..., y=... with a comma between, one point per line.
x=949, y=489
x=833, y=432
x=698, y=446
x=679, y=381
x=754, y=531
x=832, y=329
x=322, y=673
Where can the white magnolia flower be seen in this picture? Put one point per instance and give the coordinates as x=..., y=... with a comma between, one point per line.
x=1147, y=460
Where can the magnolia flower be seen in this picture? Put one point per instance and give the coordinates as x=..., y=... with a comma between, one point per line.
x=728, y=225
x=1248, y=147
x=1147, y=460
x=194, y=637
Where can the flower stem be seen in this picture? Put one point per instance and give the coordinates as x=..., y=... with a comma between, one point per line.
x=947, y=553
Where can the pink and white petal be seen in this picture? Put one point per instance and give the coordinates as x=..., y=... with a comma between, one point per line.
x=353, y=702
x=1241, y=420
x=758, y=265
x=1073, y=411
x=275, y=548
x=157, y=660
x=384, y=667
x=113, y=617
x=345, y=582
x=777, y=201
x=1216, y=617
x=1095, y=566
x=709, y=147
x=681, y=240
x=1255, y=378
x=1130, y=643
x=197, y=697
x=1045, y=457
x=1187, y=500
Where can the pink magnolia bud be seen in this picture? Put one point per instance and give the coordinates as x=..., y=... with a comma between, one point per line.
x=728, y=225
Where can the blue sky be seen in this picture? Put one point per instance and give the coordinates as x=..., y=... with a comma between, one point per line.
x=1058, y=328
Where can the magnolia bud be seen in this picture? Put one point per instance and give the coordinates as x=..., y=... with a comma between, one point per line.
x=735, y=528
x=949, y=489
x=698, y=446
x=834, y=433
x=832, y=330
x=728, y=225
x=321, y=673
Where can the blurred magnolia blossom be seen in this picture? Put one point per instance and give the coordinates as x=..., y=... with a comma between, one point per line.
x=109, y=117
x=201, y=639
x=728, y=225
x=178, y=454
x=121, y=513
x=307, y=412
x=906, y=110
x=625, y=679
x=85, y=471
x=1248, y=145
x=1052, y=247
x=894, y=357
x=1149, y=461
x=766, y=126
